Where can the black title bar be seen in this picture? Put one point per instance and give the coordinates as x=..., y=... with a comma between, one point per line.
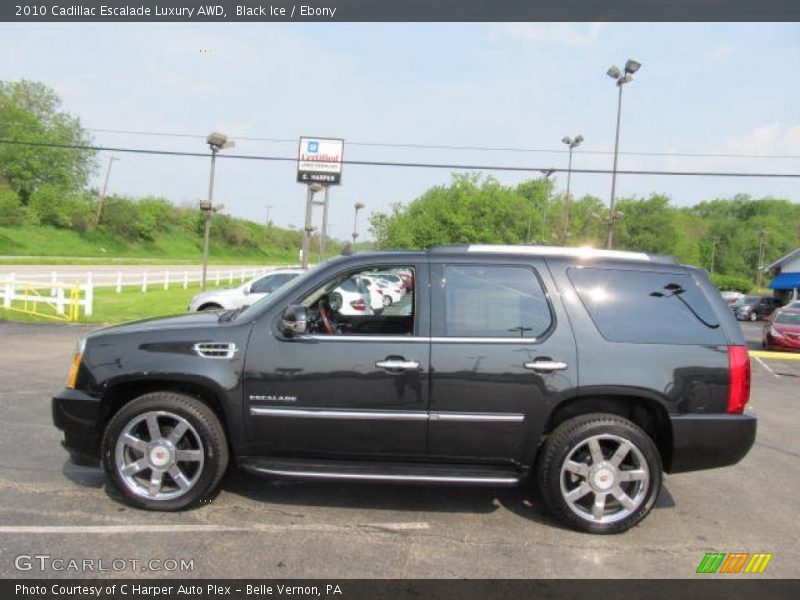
x=33, y=11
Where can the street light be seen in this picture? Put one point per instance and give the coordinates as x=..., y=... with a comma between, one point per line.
x=631, y=66
x=312, y=188
x=547, y=173
x=571, y=143
x=216, y=141
x=358, y=206
x=269, y=208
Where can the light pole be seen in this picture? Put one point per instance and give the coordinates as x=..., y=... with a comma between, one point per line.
x=762, y=234
x=323, y=240
x=358, y=206
x=102, y=199
x=546, y=173
x=631, y=66
x=312, y=188
x=571, y=143
x=216, y=141
x=269, y=208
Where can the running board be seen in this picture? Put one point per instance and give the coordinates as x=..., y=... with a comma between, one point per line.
x=375, y=472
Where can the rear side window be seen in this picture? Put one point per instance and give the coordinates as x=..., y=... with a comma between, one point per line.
x=646, y=307
x=494, y=302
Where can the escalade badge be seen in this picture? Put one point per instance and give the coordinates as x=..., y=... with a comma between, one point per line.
x=275, y=398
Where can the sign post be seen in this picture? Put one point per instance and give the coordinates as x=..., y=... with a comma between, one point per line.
x=319, y=165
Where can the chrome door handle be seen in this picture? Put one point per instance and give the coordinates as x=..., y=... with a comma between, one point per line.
x=546, y=365
x=399, y=365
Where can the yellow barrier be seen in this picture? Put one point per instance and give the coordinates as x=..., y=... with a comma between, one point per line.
x=63, y=307
x=775, y=355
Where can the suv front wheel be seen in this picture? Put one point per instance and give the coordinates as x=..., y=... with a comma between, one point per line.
x=165, y=450
x=599, y=473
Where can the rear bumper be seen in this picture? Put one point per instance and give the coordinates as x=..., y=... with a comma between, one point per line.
x=75, y=413
x=710, y=441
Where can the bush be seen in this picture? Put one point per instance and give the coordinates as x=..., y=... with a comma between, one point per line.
x=11, y=210
x=121, y=217
x=732, y=282
x=52, y=205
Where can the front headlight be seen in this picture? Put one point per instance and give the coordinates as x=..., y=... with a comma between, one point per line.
x=76, y=363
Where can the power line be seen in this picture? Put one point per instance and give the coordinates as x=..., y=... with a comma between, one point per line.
x=472, y=148
x=370, y=163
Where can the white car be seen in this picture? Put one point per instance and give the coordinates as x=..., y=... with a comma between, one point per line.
x=730, y=296
x=352, y=298
x=376, y=296
x=391, y=286
x=244, y=295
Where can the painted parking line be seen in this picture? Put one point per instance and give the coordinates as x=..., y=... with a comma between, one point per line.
x=775, y=355
x=767, y=367
x=261, y=528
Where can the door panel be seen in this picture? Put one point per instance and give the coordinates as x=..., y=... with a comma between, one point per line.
x=489, y=400
x=340, y=395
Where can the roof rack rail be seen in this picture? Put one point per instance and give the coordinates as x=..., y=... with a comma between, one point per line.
x=583, y=252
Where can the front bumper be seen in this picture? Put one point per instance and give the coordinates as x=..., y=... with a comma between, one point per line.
x=76, y=414
x=710, y=441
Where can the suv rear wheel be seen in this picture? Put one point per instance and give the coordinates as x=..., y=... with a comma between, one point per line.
x=599, y=473
x=165, y=450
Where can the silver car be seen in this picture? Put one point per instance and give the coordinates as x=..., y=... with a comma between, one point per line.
x=244, y=295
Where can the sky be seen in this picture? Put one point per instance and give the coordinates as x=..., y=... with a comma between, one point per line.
x=704, y=88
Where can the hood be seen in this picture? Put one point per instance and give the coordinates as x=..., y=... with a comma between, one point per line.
x=201, y=319
x=217, y=292
x=786, y=327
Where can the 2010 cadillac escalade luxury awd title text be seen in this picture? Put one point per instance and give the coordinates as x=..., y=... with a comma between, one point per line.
x=590, y=371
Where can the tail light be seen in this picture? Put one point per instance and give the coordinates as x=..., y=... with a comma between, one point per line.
x=358, y=304
x=738, y=379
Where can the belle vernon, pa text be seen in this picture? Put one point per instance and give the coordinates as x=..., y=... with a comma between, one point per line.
x=156, y=591
x=188, y=12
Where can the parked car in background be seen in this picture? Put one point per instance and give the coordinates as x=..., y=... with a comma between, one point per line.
x=243, y=295
x=352, y=298
x=782, y=330
x=731, y=296
x=753, y=308
x=793, y=304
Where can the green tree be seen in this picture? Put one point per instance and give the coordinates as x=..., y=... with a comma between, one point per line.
x=31, y=112
x=648, y=225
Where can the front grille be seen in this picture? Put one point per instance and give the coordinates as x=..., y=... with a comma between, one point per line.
x=215, y=349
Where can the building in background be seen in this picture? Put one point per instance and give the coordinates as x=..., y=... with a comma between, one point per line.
x=786, y=276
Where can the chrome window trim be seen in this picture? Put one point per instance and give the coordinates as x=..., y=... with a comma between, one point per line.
x=312, y=413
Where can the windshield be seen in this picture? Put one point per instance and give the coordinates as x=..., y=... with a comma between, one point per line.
x=787, y=318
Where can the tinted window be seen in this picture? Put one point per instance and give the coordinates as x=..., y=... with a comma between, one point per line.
x=646, y=306
x=489, y=301
x=787, y=318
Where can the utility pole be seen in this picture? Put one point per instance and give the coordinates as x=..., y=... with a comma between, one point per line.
x=762, y=234
x=714, y=242
x=102, y=199
x=269, y=207
x=545, y=201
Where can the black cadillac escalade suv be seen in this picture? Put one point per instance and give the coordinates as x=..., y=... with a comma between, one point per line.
x=591, y=372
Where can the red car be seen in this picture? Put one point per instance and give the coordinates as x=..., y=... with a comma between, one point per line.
x=782, y=330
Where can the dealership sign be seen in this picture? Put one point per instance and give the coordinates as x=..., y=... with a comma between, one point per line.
x=319, y=160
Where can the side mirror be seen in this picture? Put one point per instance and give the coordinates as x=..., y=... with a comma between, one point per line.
x=295, y=320
x=246, y=290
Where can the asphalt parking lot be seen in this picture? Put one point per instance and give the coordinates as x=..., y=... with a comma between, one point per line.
x=257, y=528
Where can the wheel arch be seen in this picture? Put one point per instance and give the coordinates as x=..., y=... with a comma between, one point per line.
x=646, y=412
x=121, y=393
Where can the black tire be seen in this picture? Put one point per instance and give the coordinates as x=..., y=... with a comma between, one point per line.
x=567, y=439
x=204, y=424
x=211, y=306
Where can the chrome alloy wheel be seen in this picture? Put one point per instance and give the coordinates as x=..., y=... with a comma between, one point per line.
x=159, y=455
x=604, y=478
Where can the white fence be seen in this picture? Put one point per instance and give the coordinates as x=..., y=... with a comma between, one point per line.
x=57, y=301
x=49, y=287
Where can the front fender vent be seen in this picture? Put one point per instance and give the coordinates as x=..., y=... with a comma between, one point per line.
x=224, y=350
